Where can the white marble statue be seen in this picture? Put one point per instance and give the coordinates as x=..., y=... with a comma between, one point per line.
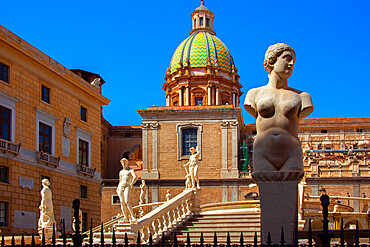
x=191, y=168
x=168, y=195
x=127, y=179
x=142, y=192
x=277, y=109
x=46, y=219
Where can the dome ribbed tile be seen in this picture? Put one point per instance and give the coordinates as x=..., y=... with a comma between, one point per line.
x=211, y=50
x=177, y=56
x=198, y=52
x=222, y=55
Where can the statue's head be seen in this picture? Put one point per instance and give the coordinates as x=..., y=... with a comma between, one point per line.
x=192, y=150
x=45, y=182
x=124, y=162
x=273, y=53
x=143, y=181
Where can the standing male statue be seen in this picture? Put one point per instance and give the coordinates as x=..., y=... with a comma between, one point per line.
x=277, y=152
x=127, y=179
x=46, y=219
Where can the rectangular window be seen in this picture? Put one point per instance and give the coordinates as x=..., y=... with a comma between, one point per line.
x=84, y=222
x=189, y=139
x=359, y=130
x=207, y=22
x=324, y=131
x=83, y=152
x=201, y=21
x=5, y=123
x=83, y=191
x=45, y=94
x=44, y=138
x=83, y=114
x=4, y=72
x=115, y=200
x=195, y=23
x=225, y=102
x=4, y=174
x=4, y=210
x=198, y=101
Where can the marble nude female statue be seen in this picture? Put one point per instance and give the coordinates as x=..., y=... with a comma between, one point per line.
x=277, y=109
x=192, y=165
x=46, y=207
x=127, y=179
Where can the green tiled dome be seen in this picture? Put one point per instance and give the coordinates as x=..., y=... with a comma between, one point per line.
x=199, y=48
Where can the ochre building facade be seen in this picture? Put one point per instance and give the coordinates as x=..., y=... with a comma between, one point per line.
x=50, y=128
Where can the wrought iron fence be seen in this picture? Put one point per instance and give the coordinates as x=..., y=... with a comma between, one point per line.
x=347, y=237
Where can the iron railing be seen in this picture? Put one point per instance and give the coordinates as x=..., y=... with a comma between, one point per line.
x=348, y=238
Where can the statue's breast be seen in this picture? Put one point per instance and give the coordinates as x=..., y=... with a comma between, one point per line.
x=290, y=104
x=266, y=104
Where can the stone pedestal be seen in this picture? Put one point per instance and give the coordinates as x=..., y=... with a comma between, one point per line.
x=279, y=204
x=48, y=231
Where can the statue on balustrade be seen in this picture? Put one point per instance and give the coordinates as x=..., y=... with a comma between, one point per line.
x=277, y=109
x=191, y=168
x=142, y=192
x=46, y=219
x=127, y=179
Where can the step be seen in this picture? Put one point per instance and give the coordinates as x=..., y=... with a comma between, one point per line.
x=227, y=222
x=219, y=228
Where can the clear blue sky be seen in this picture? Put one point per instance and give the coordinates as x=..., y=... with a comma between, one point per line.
x=130, y=44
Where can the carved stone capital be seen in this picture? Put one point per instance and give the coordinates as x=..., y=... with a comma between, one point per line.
x=224, y=124
x=145, y=125
x=277, y=176
x=234, y=123
x=154, y=125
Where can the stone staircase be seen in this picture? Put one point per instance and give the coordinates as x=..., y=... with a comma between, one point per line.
x=221, y=222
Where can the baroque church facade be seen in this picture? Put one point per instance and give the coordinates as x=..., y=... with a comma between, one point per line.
x=202, y=109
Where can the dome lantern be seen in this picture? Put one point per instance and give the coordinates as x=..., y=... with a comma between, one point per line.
x=202, y=19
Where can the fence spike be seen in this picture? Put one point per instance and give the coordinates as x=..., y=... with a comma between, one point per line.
x=309, y=233
x=282, y=240
x=91, y=233
x=3, y=241
x=268, y=239
x=163, y=240
x=113, y=238
x=174, y=239
x=150, y=240
x=241, y=240
x=228, y=241
x=101, y=235
x=341, y=233
x=53, y=240
x=43, y=238
x=126, y=240
x=22, y=240
x=188, y=244
x=13, y=241
x=64, y=233
x=138, y=240
x=255, y=243
x=215, y=240
x=357, y=237
x=201, y=244
x=33, y=243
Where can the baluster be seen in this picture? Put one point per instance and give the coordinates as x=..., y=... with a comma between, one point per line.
x=169, y=219
x=179, y=216
x=155, y=230
x=173, y=216
x=183, y=208
x=143, y=234
x=188, y=206
x=164, y=220
x=160, y=226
